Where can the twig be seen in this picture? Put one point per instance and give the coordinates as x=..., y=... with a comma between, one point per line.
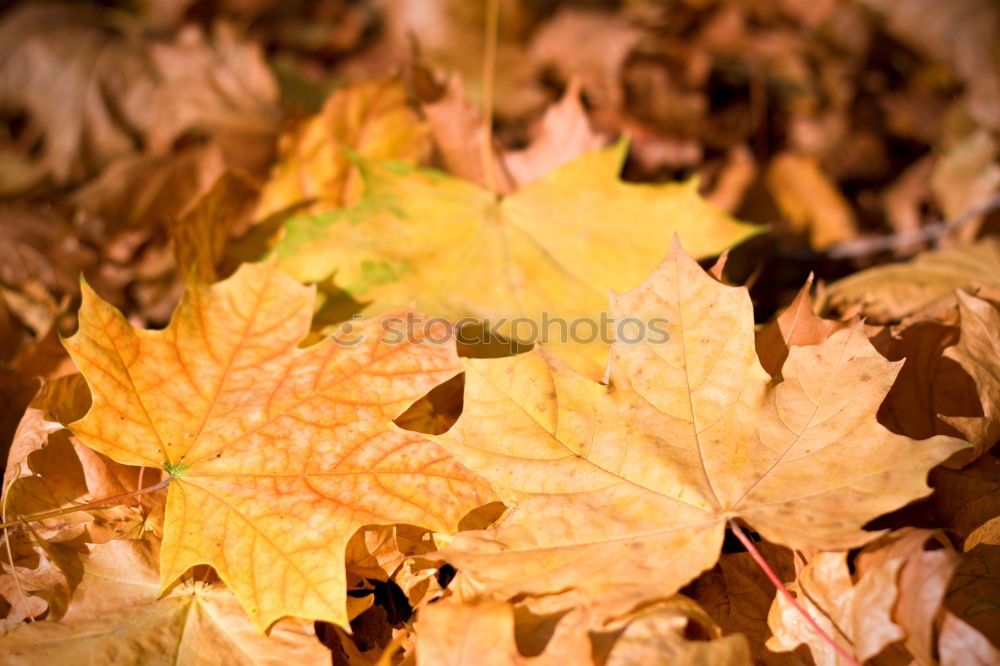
x=89, y=505
x=865, y=246
x=138, y=486
x=489, y=74
x=762, y=563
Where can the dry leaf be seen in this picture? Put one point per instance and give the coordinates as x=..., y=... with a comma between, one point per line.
x=564, y=134
x=928, y=562
x=84, y=85
x=974, y=589
x=448, y=36
x=891, y=292
x=148, y=192
x=809, y=200
x=94, y=92
x=677, y=632
x=457, y=127
x=976, y=352
x=935, y=392
x=895, y=596
x=967, y=501
x=629, y=486
x=39, y=247
x=609, y=39
x=797, y=325
x=737, y=594
x=221, y=85
x=960, y=645
x=116, y=617
x=858, y=616
x=673, y=631
x=278, y=454
x=201, y=235
x=965, y=177
x=450, y=633
x=48, y=469
x=930, y=385
x=930, y=26
x=372, y=119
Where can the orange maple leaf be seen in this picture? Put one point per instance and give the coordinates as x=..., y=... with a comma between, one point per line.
x=277, y=454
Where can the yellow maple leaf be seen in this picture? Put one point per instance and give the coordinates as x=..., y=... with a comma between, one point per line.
x=278, y=454
x=555, y=246
x=631, y=485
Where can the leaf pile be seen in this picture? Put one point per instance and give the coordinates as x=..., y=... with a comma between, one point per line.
x=251, y=251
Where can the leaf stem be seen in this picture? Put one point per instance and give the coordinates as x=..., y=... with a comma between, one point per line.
x=762, y=563
x=489, y=78
x=89, y=505
x=138, y=486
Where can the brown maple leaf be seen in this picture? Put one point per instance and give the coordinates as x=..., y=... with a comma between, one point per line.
x=630, y=485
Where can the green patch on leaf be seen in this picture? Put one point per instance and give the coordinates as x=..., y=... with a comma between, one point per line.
x=175, y=470
x=374, y=273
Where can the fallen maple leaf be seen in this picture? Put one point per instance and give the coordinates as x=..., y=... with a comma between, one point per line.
x=976, y=352
x=497, y=633
x=609, y=38
x=555, y=246
x=48, y=469
x=737, y=594
x=201, y=235
x=371, y=118
x=947, y=385
x=966, y=176
x=450, y=633
x=858, y=616
x=967, y=501
x=630, y=486
x=810, y=202
x=457, y=128
x=116, y=618
x=889, y=293
x=797, y=325
x=220, y=83
x=278, y=454
x=929, y=562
